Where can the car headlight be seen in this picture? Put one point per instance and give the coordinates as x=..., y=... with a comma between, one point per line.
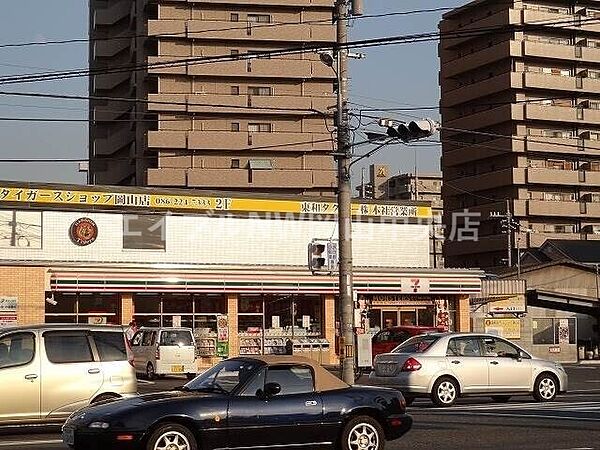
x=99, y=425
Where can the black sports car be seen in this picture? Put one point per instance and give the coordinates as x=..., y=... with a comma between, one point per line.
x=247, y=402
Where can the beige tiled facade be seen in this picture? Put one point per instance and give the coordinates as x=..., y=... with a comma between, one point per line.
x=532, y=75
x=257, y=125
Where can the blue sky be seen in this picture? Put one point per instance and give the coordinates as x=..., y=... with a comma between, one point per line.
x=391, y=76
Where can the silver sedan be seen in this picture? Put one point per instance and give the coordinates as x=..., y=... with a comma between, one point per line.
x=446, y=366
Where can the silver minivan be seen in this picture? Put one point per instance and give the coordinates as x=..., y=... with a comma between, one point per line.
x=49, y=371
x=164, y=351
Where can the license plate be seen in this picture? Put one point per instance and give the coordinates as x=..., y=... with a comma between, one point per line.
x=178, y=368
x=68, y=436
x=386, y=369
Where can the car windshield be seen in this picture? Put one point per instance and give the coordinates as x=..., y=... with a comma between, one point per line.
x=224, y=377
x=416, y=344
x=176, y=337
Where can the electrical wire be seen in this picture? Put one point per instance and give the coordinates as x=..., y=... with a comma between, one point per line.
x=365, y=43
x=242, y=27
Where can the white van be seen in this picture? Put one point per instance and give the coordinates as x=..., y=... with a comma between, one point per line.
x=49, y=371
x=164, y=351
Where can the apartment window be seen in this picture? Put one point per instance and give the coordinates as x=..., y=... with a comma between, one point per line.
x=260, y=90
x=259, y=18
x=593, y=74
x=561, y=134
x=560, y=164
x=559, y=196
x=260, y=128
x=235, y=163
x=554, y=228
x=235, y=90
x=234, y=17
x=235, y=52
x=235, y=126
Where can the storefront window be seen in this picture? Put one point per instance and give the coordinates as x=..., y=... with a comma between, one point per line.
x=266, y=323
x=147, y=309
x=425, y=317
x=84, y=308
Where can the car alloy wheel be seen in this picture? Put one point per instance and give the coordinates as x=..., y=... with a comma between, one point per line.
x=445, y=392
x=363, y=433
x=545, y=388
x=171, y=436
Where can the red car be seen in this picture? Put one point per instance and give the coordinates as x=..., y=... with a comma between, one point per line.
x=386, y=340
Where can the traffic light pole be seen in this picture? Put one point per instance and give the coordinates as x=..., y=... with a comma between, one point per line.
x=343, y=155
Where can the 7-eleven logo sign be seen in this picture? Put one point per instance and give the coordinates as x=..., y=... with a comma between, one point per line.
x=415, y=285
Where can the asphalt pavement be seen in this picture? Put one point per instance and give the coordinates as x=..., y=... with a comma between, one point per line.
x=572, y=422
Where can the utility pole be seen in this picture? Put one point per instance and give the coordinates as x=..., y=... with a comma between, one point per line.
x=509, y=232
x=343, y=155
x=509, y=224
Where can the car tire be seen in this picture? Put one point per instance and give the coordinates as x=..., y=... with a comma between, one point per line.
x=363, y=429
x=190, y=376
x=171, y=433
x=150, y=373
x=501, y=398
x=545, y=388
x=445, y=392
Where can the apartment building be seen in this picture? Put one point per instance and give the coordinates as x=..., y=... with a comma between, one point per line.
x=169, y=110
x=520, y=103
x=381, y=185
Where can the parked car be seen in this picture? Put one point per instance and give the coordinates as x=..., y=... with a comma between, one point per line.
x=247, y=402
x=49, y=371
x=446, y=366
x=164, y=351
x=389, y=338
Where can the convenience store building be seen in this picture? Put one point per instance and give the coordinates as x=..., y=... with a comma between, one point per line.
x=233, y=268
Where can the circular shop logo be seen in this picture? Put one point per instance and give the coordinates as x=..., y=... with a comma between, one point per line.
x=83, y=231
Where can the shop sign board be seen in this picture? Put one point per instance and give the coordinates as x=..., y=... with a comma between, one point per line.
x=222, y=329
x=415, y=285
x=563, y=331
x=7, y=320
x=8, y=304
x=223, y=349
x=364, y=350
x=507, y=303
x=28, y=195
x=375, y=300
x=506, y=328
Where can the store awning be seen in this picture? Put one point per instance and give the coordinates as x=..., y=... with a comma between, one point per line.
x=563, y=302
x=121, y=280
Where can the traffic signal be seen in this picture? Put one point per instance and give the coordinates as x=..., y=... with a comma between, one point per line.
x=412, y=131
x=322, y=256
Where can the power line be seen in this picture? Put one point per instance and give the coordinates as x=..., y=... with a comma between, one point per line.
x=232, y=28
x=157, y=102
x=366, y=43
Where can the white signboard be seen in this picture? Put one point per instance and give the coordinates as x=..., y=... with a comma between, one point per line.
x=8, y=304
x=364, y=350
x=176, y=321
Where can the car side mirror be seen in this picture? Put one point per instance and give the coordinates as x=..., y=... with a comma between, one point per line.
x=272, y=389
